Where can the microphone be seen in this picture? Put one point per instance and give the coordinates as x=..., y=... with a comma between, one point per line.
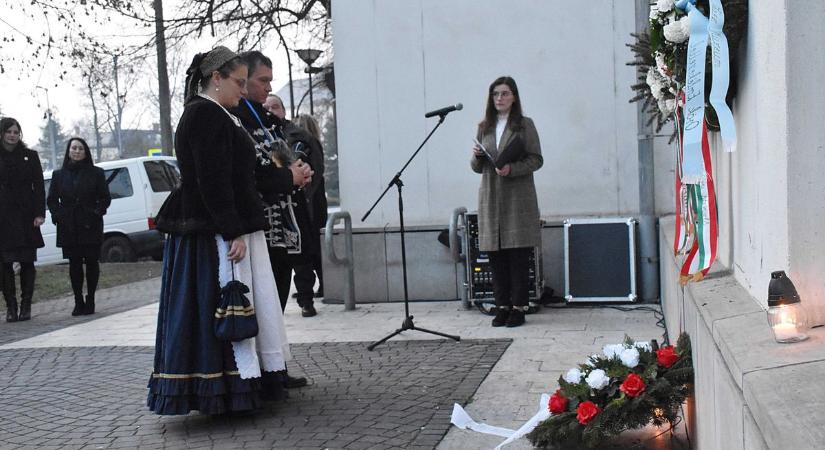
x=444, y=111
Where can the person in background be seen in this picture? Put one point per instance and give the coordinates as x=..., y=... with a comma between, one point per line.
x=318, y=201
x=508, y=212
x=215, y=224
x=78, y=199
x=22, y=212
x=275, y=105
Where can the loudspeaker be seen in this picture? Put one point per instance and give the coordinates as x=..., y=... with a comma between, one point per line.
x=600, y=260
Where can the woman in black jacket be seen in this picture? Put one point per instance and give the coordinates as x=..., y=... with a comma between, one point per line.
x=215, y=221
x=78, y=198
x=22, y=211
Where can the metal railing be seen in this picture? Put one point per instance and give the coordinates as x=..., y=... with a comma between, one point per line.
x=347, y=260
x=455, y=252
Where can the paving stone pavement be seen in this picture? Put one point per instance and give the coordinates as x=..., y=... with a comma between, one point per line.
x=398, y=396
x=56, y=314
x=551, y=342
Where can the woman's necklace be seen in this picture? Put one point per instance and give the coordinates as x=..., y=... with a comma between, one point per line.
x=235, y=120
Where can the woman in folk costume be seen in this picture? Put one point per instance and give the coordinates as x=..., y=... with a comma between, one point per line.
x=215, y=222
x=508, y=211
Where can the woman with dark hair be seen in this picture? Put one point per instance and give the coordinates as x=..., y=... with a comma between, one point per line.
x=508, y=212
x=78, y=199
x=215, y=221
x=22, y=211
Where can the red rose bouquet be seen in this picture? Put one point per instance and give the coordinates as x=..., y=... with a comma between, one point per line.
x=628, y=386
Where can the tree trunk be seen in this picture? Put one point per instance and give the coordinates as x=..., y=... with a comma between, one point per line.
x=98, y=145
x=164, y=97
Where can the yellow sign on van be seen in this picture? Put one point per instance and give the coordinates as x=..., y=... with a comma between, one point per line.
x=155, y=152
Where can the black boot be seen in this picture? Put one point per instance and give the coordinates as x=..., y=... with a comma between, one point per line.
x=11, y=309
x=9, y=293
x=26, y=291
x=90, y=304
x=501, y=317
x=79, y=306
x=516, y=318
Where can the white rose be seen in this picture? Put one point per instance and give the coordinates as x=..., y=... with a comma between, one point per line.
x=666, y=106
x=661, y=66
x=597, y=379
x=630, y=357
x=573, y=376
x=677, y=31
x=646, y=345
x=665, y=5
x=611, y=351
x=654, y=12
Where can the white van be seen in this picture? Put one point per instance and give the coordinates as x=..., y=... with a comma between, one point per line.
x=138, y=187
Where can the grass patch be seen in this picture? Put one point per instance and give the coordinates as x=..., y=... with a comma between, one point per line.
x=53, y=281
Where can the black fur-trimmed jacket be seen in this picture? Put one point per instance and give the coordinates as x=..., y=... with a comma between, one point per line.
x=217, y=193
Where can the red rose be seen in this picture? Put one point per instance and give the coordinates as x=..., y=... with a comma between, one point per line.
x=666, y=356
x=558, y=403
x=633, y=385
x=586, y=412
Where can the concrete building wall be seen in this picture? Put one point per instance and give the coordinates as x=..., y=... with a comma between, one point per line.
x=397, y=60
x=759, y=174
x=806, y=151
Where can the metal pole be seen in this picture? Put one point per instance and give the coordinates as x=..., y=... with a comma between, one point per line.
x=291, y=90
x=311, y=110
x=648, y=242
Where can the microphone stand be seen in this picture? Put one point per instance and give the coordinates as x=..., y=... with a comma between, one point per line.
x=396, y=181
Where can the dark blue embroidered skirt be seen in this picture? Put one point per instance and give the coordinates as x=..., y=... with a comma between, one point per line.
x=194, y=371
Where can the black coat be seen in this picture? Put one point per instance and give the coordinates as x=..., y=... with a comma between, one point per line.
x=78, y=199
x=22, y=199
x=217, y=191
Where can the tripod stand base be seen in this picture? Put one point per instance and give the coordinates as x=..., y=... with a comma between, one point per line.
x=409, y=325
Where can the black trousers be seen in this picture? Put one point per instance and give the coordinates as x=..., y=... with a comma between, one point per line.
x=282, y=270
x=76, y=264
x=27, y=276
x=511, y=277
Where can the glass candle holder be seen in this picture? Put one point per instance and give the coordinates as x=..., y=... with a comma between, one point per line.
x=786, y=316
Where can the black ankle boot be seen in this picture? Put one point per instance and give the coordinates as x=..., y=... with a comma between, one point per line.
x=11, y=310
x=516, y=318
x=9, y=293
x=79, y=306
x=501, y=316
x=25, y=309
x=26, y=292
x=90, y=305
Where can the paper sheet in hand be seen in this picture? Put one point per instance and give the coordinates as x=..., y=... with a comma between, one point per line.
x=486, y=153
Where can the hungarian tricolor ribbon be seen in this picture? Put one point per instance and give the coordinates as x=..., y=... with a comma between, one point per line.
x=703, y=31
x=696, y=216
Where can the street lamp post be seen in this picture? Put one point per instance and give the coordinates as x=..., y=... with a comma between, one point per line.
x=52, y=135
x=309, y=55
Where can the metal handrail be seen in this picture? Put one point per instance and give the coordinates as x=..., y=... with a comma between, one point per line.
x=347, y=260
x=455, y=249
x=455, y=252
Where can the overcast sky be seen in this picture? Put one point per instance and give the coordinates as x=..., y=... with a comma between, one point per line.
x=22, y=100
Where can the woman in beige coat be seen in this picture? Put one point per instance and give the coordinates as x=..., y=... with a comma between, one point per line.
x=508, y=212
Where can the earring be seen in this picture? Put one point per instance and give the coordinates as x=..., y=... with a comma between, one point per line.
x=217, y=88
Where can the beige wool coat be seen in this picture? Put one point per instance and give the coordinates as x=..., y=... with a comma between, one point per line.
x=508, y=210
